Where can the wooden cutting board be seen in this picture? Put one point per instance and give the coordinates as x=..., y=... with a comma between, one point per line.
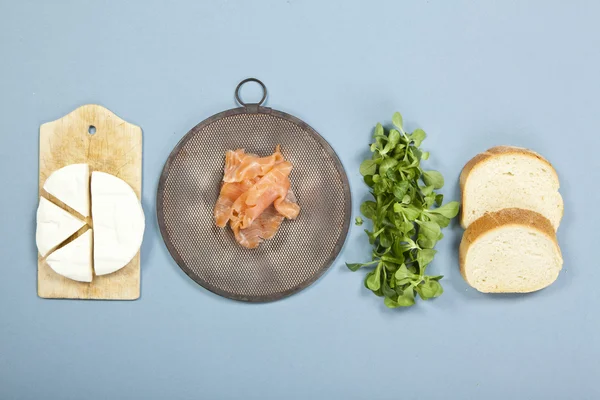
x=116, y=148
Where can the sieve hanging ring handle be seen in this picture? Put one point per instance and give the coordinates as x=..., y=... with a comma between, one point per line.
x=239, y=86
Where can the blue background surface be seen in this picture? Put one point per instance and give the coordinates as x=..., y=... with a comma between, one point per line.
x=472, y=75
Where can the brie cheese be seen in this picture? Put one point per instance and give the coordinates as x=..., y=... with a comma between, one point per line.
x=71, y=186
x=54, y=226
x=118, y=223
x=74, y=260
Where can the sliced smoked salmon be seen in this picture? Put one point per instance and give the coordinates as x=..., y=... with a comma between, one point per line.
x=287, y=208
x=233, y=159
x=255, y=196
x=230, y=192
x=270, y=188
x=263, y=228
x=247, y=166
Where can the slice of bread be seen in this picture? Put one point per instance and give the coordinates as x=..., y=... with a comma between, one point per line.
x=510, y=251
x=509, y=177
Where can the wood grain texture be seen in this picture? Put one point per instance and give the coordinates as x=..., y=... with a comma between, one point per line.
x=115, y=148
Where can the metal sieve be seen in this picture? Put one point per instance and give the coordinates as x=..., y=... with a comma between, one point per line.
x=300, y=252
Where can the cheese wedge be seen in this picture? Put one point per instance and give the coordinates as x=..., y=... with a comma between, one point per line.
x=510, y=251
x=510, y=177
x=118, y=223
x=54, y=226
x=70, y=185
x=74, y=260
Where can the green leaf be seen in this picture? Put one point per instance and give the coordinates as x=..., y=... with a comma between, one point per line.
x=390, y=303
x=426, y=243
x=393, y=138
x=400, y=287
x=387, y=290
x=385, y=240
x=374, y=280
x=407, y=298
x=425, y=256
x=387, y=164
x=439, y=199
x=448, y=210
x=390, y=267
x=409, y=211
x=403, y=273
x=401, y=283
x=368, y=208
x=412, y=213
x=430, y=289
x=397, y=120
x=381, y=214
x=354, y=266
x=438, y=219
x=406, y=227
x=392, y=175
x=358, y=221
x=368, y=167
x=429, y=200
x=429, y=229
x=406, y=199
x=378, y=130
x=433, y=178
x=401, y=189
x=419, y=289
x=398, y=259
x=427, y=190
x=425, y=155
x=392, y=283
x=367, y=278
x=371, y=236
x=398, y=248
x=357, y=266
x=415, y=154
x=399, y=151
x=418, y=136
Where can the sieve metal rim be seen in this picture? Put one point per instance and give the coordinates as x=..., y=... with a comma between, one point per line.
x=253, y=109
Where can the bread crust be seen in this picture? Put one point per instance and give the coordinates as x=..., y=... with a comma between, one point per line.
x=499, y=219
x=493, y=152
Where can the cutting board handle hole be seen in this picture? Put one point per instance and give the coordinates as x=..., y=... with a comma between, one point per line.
x=92, y=130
